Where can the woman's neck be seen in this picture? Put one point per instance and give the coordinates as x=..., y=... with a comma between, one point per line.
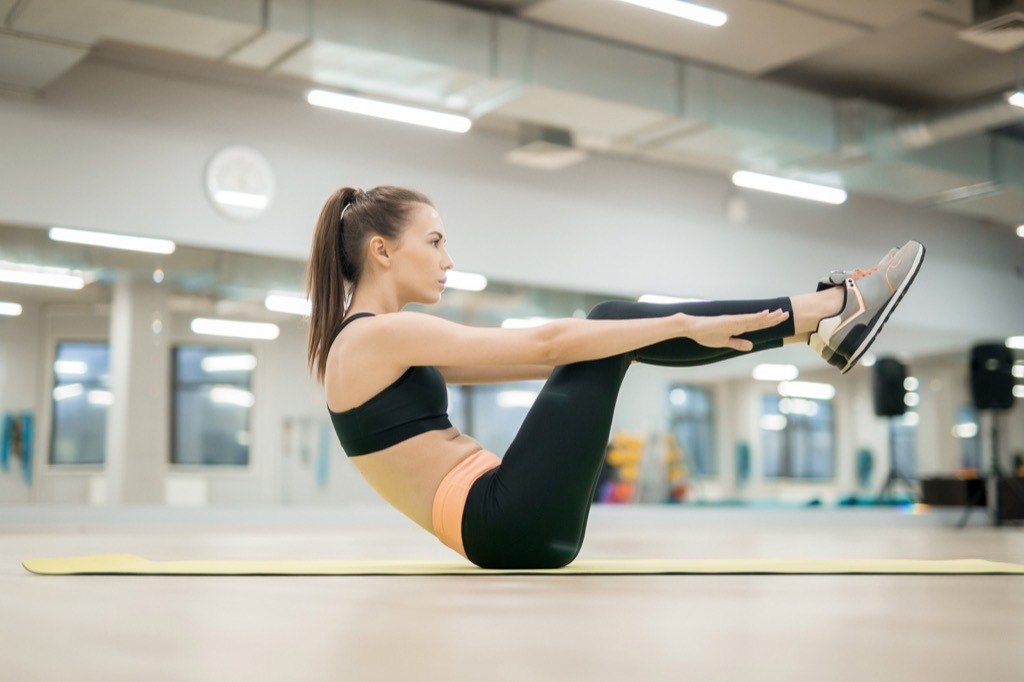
x=375, y=301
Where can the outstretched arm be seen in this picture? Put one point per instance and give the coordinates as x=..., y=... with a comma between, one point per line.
x=410, y=339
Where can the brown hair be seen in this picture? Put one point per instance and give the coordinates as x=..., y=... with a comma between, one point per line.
x=338, y=255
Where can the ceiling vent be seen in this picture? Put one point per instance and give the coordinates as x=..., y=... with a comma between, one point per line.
x=545, y=148
x=998, y=25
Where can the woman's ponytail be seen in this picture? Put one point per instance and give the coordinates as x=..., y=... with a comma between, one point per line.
x=329, y=276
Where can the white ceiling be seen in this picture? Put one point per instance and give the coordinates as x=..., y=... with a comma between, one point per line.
x=900, y=52
x=769, y=91
x=905, y=55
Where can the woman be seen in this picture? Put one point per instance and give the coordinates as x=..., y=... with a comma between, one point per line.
x=385, y=370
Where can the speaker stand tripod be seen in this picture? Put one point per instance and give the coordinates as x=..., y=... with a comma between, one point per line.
x=993, y=483
x=895, y=475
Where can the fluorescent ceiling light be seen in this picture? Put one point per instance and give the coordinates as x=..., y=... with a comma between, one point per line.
x=393, y=112
x=1018, y=371
x=100, y=398
x=289, y=303
x=524, y=322
x=911, y=419
x=229, y=363
x=773, y=422
x=768, y=372
x=1016, y=342
x=684, y=10
x=112, y=241
x=1018, y=391
x=71, y=367
x=798, y=406
x=68, y=391
x=10, y=309
x=516, y=398
x=791, y=188
x=243, y=199
x=60, y=278
x=1020, y=231
x=1016, y=99
x=807, y=389
x=242, y=330
x=658, y=298
x=229, y=395
x=467, y=281
x=965, y=430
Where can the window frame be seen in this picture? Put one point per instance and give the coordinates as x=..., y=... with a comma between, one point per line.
x=787, y=456
x=690, y=458
x=173, y=407
x=53, y=419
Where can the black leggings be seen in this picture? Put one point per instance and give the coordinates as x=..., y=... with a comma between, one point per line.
x=531, y=511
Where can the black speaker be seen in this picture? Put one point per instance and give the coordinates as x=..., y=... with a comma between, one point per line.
x=992, y=376
x=889, y=391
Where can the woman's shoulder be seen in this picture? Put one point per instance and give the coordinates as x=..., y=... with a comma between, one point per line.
x=401, y=328
x=365, y=336
x=410, y=339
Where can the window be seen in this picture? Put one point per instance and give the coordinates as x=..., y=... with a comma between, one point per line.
x=81, y=396
x=904, y=443
x=965, y=428
x=212, y=405
x=494, y=412
x=691, y=422
x=457, y=407
x=798, y=436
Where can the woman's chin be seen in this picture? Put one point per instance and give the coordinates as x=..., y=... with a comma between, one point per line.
x=428, y=299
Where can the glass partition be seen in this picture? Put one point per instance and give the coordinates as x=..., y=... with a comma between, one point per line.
x=798, y=437
x=80, y=398
x=213, y=403
x=691, y=421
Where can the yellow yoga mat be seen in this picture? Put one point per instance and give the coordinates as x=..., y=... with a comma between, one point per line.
x=129, y=564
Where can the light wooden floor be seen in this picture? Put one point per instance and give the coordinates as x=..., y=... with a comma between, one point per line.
x=763, y=628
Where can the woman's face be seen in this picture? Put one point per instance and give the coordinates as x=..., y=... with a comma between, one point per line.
x=420, y=259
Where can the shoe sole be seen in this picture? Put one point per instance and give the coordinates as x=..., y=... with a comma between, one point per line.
x=889, y=308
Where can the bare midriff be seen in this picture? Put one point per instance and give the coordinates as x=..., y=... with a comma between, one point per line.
x=407, y=475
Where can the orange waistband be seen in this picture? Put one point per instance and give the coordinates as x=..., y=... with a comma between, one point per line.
x=450, y=499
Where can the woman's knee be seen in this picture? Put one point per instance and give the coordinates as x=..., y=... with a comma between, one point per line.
x=610, y=310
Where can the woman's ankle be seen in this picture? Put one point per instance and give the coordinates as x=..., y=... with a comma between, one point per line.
x=809, y=309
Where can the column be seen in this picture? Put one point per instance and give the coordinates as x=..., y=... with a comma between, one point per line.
x=138, y=423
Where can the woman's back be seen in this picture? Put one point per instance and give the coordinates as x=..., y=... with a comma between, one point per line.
x=407, y=473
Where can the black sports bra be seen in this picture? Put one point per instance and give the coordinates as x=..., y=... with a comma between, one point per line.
x=416, y=403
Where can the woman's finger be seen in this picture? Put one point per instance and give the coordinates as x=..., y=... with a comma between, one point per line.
x=766, y=319
x=741, y=344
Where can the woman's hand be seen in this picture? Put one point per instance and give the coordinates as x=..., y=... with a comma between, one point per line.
x=720, y=331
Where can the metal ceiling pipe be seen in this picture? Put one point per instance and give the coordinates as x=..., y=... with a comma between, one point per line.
x=927, y=129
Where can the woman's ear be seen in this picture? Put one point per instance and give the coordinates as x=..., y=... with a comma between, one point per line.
x=379, y=251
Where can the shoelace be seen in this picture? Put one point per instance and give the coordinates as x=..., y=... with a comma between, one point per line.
x=857, y=274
